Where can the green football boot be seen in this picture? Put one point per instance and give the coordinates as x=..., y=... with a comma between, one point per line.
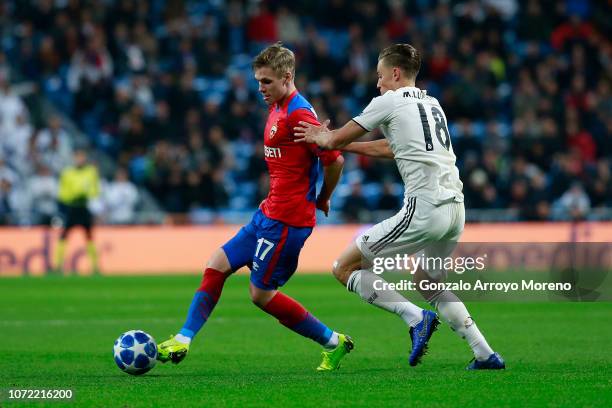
x=172, y=350
x=331, y=358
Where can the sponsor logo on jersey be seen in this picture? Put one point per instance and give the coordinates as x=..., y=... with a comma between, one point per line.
x=272, y=152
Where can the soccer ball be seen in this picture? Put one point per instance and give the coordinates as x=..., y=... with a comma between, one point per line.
x=135, y=352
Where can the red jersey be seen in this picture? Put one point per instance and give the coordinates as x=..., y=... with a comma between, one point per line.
x=293, y=167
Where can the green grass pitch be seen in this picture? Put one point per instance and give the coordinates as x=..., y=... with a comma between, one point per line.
x=59, y=333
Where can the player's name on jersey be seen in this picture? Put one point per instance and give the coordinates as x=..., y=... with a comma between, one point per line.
x=478, y=285
x=415, y=93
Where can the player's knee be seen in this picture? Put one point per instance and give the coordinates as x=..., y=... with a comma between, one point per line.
x=260, y=298
x=336, y=268
x=258, y=301
x=341, y=271
x=219, y=262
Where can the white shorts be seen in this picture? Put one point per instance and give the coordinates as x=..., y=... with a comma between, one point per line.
x=418, y=226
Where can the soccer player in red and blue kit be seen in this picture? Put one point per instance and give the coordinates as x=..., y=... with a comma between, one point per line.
x=270, y=244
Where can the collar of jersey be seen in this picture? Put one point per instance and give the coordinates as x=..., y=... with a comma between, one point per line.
x=413, y=87
x=286, y=103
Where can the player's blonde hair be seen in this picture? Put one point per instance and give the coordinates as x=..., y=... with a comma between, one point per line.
x=280, y=59
x=404, y=56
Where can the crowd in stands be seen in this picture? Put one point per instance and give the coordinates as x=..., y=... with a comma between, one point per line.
x=31, y=161
x=166, y=88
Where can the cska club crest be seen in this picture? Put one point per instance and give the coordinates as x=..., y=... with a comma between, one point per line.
x=273, y=130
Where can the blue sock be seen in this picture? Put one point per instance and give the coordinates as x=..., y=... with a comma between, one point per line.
x=203, y=302
x=201, y=307
x=312, y=328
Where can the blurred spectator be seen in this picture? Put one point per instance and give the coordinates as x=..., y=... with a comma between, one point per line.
x=582, y=142
x=159, y=126
x=17, y=143
x=573, y=205
x=573, y=30
x=43, y=187
x=289, y=28
x=478, y=192
x=13, y=116
x=540, y=199
x=388, y=200
x=534, y=22
x=6, y=173
x=355, y=208
x=14, y=200
x=600, y=185
x=52, y=146
x=119, y=199
x=261, y=27
x=166, y=87
x=91, y=66
x=7, y=200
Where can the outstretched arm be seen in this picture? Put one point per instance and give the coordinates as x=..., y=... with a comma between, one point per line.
x=375, y=148
x=328, y=139
x=331, y=176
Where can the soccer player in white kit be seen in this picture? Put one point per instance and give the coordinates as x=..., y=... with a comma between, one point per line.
x=433, y=215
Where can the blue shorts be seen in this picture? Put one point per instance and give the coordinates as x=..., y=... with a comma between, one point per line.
x=269, y=248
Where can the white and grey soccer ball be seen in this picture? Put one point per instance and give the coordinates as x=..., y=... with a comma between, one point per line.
x=135, y=352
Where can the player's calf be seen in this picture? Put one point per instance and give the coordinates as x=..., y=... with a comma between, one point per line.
x=295, y=317
x=203, y=303
x=454, y=312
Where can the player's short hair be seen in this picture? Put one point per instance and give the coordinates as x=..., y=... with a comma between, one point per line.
x=404, y=56
x=277, y=57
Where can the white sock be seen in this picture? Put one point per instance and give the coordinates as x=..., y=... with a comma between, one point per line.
x=332, y=342
x=182, y=339
x=362, y=283
x=454, y=312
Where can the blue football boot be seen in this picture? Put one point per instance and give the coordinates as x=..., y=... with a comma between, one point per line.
x=420, y=335
x=494, y=362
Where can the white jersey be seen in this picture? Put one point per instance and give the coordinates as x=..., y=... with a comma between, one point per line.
x=415, y=127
